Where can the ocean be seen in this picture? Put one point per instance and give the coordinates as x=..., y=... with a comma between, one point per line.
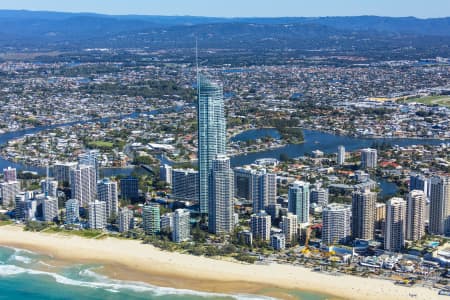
x=31, y=276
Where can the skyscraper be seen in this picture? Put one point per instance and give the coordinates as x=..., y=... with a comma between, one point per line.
x=107, y=192
x=419, y=182
x=83, y=184
x=49, y=187
x=298, y=201
x=440, y=205
x=211, y=133
x=363, y=214
x=97, y=215
x=181, y=226
x=151, y=219
x=341, y=155
x=10, y=174
x=415, y=215
x=368, y=158
x=336, y=224
x=394, y=239
x=221, y=191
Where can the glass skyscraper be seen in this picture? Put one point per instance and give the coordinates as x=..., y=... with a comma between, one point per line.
x=211, y=133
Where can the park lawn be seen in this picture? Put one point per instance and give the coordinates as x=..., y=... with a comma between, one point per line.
x=101, y=144
x=432, y=100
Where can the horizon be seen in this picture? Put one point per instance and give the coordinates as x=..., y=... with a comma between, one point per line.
x=218, y=17
x=238, y=9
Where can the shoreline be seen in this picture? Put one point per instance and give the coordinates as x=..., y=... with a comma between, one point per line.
x=132, y=260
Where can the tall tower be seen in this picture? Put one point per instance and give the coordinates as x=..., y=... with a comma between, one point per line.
x=298, y=201
x=107, y=192
x=211, y=133
x=415, y=215
x=440, y=205
x=341, y=155
x=336, y=224
x=363, y=214
x=221, y=190
x=83, y=182
x=394, y=239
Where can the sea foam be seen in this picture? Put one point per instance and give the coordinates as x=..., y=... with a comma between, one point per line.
x=112, y=285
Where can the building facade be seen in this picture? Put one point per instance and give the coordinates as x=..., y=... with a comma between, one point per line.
x=126, y=220
x=336, y=228
x=415, y=215
x=394, y=239
x=97, y=215
x=181, y=226
x=151, y=219
x=83, y=182
x=363, y=214
x=185, y=184
x=107, y=192
x=439, y=205
x=298, y=201
x=289, y=227
x=72, y=211
x=211, y=133
x=369, y=158
x=221, y=210
x=260, y=225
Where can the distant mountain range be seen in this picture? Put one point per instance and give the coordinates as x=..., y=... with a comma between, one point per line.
x=54, y=30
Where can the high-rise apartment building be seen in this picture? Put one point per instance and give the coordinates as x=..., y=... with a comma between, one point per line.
x=221, y=191
x=363, y=214
x=8, y=191
x=61, y=172
x=165, y=173
x=72, y=211
x=50, y=209
x=129, y=188
x=181, y=226
x=107, y=192
x=289, y=227
x=185, y=184
x=91, y=158
x=151, y=219
x=9, y=174
x=415, y=215
x=298, y=201
x=319, y=196
x=97, y=214
x=260, y=225
x=211, y=133
x=336, y=228
x=126, y=220
x=83, y=184
x=341, y=155
x=369, y=158
x=439, y=205
x=394, y=239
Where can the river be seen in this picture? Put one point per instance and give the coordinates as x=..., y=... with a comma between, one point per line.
x=314, y=140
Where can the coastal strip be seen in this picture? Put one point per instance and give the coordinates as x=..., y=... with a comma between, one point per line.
x=149, y=264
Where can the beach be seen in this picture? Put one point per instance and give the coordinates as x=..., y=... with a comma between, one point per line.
x=132, y=260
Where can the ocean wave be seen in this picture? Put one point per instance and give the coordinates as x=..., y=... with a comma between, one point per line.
x=114, y=286
x=20, y=258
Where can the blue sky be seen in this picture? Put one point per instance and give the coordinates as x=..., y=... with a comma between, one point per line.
x=240, y=8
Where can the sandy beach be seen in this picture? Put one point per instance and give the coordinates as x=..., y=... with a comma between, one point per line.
x=132, y=260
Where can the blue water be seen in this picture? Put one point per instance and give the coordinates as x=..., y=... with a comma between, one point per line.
x=28, y=275
x=317, y=140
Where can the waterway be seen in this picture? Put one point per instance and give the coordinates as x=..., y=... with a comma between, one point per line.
x=314, y=140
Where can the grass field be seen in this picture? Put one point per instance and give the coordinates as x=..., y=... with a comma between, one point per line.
x=433, y=100
x=101, y=144
x=83, y=233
